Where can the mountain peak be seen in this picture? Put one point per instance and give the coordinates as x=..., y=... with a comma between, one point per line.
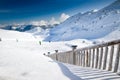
x=89, y=25
x=114, y=5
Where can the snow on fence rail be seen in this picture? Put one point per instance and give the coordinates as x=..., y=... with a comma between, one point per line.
x=104, y=56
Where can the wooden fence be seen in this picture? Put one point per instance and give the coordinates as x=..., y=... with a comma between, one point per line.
x=104, y=56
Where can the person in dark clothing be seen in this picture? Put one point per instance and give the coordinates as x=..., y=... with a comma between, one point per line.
x=40, y=42
x=0, y=39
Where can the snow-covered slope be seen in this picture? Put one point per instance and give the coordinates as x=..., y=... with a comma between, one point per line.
x=90, y=25
x=23, y=59
x=15, y=35
x=39, y=32
x=110, y=37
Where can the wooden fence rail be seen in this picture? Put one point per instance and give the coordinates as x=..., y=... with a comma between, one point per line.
x=104, y=56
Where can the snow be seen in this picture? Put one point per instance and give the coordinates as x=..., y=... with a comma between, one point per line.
x=90, y=25
x=92, y=74
x=39, y=32
x=112, y=36
x=24, y=59
x=13, y=35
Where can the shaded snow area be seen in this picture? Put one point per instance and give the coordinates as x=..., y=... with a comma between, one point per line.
x=92, y=74
x=23, y=59
x=90, y=25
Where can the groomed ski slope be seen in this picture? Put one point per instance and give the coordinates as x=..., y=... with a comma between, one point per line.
x=21, y=58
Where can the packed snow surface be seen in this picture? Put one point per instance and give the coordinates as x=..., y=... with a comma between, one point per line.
x=21, y=58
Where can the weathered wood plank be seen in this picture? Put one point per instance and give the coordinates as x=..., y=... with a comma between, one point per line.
x=79, y=58
x=105, y=57
x=86, y=58
x=76, y=55
x=101, y=55
x=117, y=59
x=111, y=58
x=93, y=56
x=83, y=58
x=97, y=57
x=89, y=61
x=74, y=58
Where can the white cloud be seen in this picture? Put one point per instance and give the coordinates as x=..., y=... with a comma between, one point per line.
x=53, y=21
x=40, y=23
x=63, y=17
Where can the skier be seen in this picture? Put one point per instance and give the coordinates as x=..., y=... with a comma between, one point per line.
x=40, y=42
x=16, y=40
x=0, y=39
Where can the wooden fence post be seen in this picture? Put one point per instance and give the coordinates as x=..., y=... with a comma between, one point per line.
x=56, y=51
x=111, y=58
x=89, y=61
x=97, y=57
x=80, y=58
x=73, y=49
x=105, y=57
x=87, y=58
x=117, y=59
x=48, y=54
x=101, y=55
x=44, y=54
x=84, y=58
x=93, y=56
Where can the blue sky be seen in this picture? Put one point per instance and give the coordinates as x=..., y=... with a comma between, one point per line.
x=16, y=11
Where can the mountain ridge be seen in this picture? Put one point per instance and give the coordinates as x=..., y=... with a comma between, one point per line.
x=89, y=25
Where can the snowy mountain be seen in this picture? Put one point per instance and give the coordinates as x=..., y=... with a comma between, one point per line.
x=17, y=27
x=90, y=25
x=39, y=32
x=110, y=37
x=25, y=27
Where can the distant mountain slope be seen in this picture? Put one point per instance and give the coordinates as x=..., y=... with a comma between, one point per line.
x=112, y=36
x=90, y=25
x=17, y=27
x=25, y=27
x=39, y=32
